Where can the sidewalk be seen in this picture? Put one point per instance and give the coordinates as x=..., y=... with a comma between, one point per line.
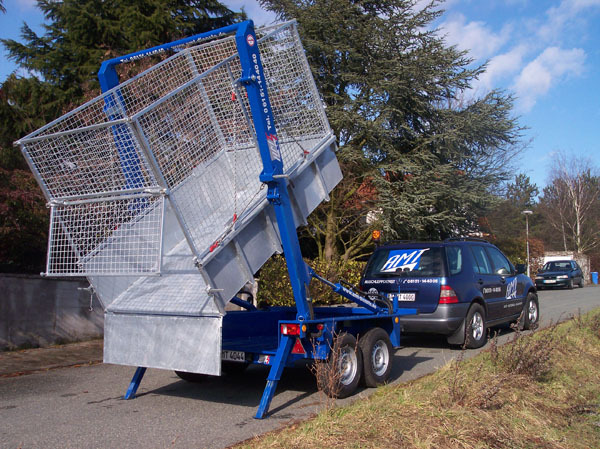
x=27, y=361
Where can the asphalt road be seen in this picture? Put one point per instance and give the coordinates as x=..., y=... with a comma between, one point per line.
x=81, y=407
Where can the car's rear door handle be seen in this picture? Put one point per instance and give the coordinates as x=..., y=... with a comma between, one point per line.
x=480, y=281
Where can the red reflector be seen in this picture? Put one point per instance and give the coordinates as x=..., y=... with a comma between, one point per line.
x=290, y=329
x=298, y=347
x=447, y=295
x=320, y=327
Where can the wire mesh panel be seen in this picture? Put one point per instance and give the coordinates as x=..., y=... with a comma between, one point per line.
x=300, y=119
x=182, y=129
x=110, y=237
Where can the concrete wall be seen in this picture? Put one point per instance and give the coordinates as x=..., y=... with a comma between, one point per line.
x=36, y=311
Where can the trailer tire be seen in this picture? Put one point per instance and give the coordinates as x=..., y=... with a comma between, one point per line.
x=191, y=377
x=377, y=352
x=340, y=375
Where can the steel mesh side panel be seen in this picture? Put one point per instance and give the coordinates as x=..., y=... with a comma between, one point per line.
x=85, y=162
x=203, y=145
x=106, y=237
x=299, y=117
x=135, y=94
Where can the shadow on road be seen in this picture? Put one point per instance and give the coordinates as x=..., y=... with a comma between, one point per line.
x=245, y=389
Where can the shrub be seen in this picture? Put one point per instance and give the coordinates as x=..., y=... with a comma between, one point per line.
x=274, y=286
x=528, y=355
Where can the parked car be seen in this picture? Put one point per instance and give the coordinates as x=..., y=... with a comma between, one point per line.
x=460, y=287
x=559, y=273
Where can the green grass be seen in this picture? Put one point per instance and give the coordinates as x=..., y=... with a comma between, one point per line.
x=502, y=398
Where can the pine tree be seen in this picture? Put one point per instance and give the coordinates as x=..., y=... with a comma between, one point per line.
x=63, y=63
x=395, y=96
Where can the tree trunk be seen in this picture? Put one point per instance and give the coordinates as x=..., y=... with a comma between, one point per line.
x=329, y=251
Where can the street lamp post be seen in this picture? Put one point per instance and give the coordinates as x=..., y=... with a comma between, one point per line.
x=527, y=213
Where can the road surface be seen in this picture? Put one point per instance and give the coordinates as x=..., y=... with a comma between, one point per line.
x=81, y=407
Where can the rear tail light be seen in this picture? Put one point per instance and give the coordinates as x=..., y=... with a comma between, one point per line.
x=290, y=329
x=447, y=295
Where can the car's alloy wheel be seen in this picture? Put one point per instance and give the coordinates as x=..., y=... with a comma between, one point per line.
x=475, y=327
x=531, y=312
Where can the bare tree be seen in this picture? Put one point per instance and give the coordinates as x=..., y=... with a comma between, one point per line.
x=571, y=202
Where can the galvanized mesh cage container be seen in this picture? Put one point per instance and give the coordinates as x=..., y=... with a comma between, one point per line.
x=180, y=131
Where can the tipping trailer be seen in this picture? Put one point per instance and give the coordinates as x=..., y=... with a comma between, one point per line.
x=171, y=189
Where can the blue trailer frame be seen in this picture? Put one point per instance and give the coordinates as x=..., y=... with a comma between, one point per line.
x=314, y=328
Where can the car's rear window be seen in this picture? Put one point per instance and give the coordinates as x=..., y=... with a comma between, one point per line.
x=406, y=262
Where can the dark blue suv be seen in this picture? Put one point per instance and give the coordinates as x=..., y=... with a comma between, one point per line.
x=460, y=287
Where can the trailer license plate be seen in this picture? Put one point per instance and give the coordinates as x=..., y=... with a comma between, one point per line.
x=404, y=296
x=233, y=356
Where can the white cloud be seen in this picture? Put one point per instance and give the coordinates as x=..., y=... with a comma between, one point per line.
x=501, y=67
x=545, y=71
x=476, y=37
x=24, y=4
x=564, y=16
x=421, y=4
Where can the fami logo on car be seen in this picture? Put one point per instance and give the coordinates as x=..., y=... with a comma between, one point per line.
x=403, y=258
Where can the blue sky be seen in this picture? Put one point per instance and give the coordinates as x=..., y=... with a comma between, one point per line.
x=545, y=52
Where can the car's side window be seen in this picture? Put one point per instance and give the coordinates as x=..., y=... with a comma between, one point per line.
x=482, y=264
x=501, y=263
x=455, y=259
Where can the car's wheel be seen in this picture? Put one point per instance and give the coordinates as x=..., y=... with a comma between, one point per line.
x=377, y=353
x=570, y=284
x=191, y=377
x=475, y=327
x=581, y=282
x=531, y=312
x=339, y=376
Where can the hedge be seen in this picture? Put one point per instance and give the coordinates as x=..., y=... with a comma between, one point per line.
x=274, y=286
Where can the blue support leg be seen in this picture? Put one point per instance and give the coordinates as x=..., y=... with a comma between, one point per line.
x=135, y=383
x=283, y=351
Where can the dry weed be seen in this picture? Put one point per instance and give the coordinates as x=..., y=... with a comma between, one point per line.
x=528, y=355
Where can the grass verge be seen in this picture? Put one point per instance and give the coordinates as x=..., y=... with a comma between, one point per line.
x=541, y=390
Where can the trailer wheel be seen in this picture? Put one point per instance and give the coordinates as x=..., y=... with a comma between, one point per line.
x=377, y=351
x=339, y=376
x=191, y=377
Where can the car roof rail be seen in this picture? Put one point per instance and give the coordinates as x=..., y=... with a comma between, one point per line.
x=466, y=239
x=417, y=242
x=397, y=242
